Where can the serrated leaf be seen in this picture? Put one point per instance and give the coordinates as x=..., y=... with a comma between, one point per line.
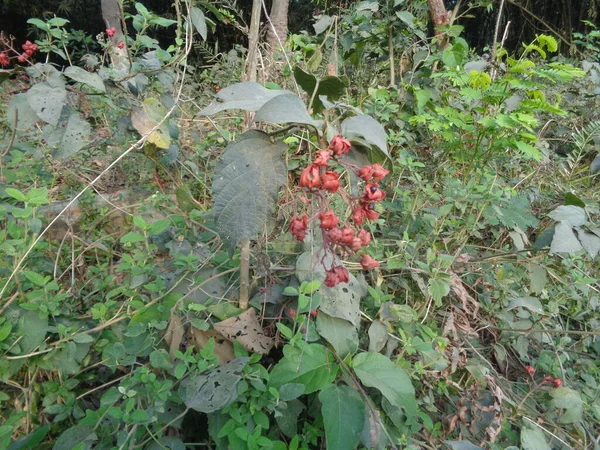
x=199, y=22
x=146, y=117
x=569, y=400
x=283, y=109
x=75, y=436
x=331, y=87
x=343, y=416
x=245, y=186
x=75, y=137
x=315, y=368
x=47, y=102
x=341, y=334
x=377, y=371
x=214, y=389
x=83, y=76
x=575, y=215
x=564, y=239
x=247, y=96
x=366, y=129
x=533, y=439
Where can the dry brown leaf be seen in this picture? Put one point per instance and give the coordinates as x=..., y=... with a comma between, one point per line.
x=174, y=335
x=246, y=329
x=461, y=292
x=223, y=348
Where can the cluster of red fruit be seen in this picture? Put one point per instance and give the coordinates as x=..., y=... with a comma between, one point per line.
x=315, y=177
x=110, y=32
x=29, y=49
x=556, y=382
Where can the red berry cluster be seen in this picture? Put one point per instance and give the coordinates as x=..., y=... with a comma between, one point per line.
x=316, y=177
x=110, y=32
x=556, y=382
x=29, y=49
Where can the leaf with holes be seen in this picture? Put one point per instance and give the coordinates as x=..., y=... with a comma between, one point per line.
x=214, y=389
x=245, y=186
x=247, y=96
x=144, y=119
x=47, y=101
x=367, y=131
x=75, y=137
x=343, y=416
x=247, y=330
x=287, y=108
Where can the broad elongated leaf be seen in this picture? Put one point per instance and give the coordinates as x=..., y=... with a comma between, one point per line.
x=214, y=389
x=315, y=368
x=247, y=96
x=283, y=109
x=147, y=117
x=375, y=370
x=564, y=239
x=246, y=182
x=20, y=110
x=74, y=436
x=569, y=400
x=531, y=303
x=367, y=131
x=533, y=439
x=340, y=333
x=47, y=101
x=199, y=22
x=575, y=215
x=331, y=87
x=343, y=415
x=83, y=76
x=74, y=138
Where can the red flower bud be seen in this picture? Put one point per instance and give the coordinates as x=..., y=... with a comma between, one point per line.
x=530, y=370
x=336, y=275
x=368, y=263
x=4, y=59
x=330, y=181
x=121, y=44
x=356, y=244
x=340, y=145
x=314, y=313
x=335, y=234
x=365, y=237
x=347, y=235
x=370, y=212
x=328, y=220
x=322, y=158
x=298, y=228
x=548, y=379
x=22, y=58
x=372, y=193
x=379, y=173
x=365, y=172
x=557, y=382
x=358, y=216
x=310, y=177
x=110, y=32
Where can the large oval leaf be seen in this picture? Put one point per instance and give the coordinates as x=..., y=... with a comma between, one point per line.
x=343, y=415
x=367, y=131
x=284, y=109
x=248, y=96
x=83, y=76
x=47, y=101
x=245, y=186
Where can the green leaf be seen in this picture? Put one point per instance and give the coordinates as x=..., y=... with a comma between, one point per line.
x=438, y=288
x=214, y=389
x=341, y=334
x=343, y=416
x=16, y=194
x=575, y=215
x=286, y=415
x=132, y=237
x=375, y=370
x=322, y=24
x=158, y=227
x=81, y=338
x=20, y=109
x=83, y=76
x=284, y=109
x=314, y=367
x=146, y=117
x=199, y=22
x=290, y=391
x=39, y=23
x=246, y=182
x=167, y=443
x=74, y=138
x=564, y=239
x=47, y=101
x=589, y=241
x=462, y=445
x=74, y=436
x=569, y=400
x=247, y=96
x=139, y=416
x=533, y=439
x=531, y=303
x=454, y=56
x=31, y=441
x=572, y=200
x=331, y=87
x=594, y=166
x=367, y=131
x=160, y=359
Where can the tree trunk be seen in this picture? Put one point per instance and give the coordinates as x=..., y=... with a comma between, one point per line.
x=277, y=31
x=439, y=16
x=111, y=14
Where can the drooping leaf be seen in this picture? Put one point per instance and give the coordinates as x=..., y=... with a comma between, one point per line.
x=329, y=86
x=20, y=110
x=75, y=137
x=47, y=101
x=247, y=96
x=83, y=76
x=245, y=186
x=340, y=333
x=74, y=436
x=315, y=368
x=365, y=129
x=375, y=370
x=575, y=215
x=283, y=109
x=322, y=23
x=533, y=439
x=199, y=22
x=215, y=389
x=147, y=117
x=564, y=239
x=569, y=400
x=343, y=416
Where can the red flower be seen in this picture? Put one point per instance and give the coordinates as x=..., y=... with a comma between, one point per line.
x=330, y=181
x=298, y=228
x=110, y=32
x=314, y=313
x=365, y=237
x=358, y=215
x=373, y=193
x=29, y=47
x=328, y=220
x=368, y=263
x=370, y=212
x=121, y=44
x=379, y=173
x=557, y=382
x=340, y=145
x=336, y=275
x=310, y=178
x=322, y=158
x=530, y=370
x=22, y=57
x=4, y=59
x=365, y=172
